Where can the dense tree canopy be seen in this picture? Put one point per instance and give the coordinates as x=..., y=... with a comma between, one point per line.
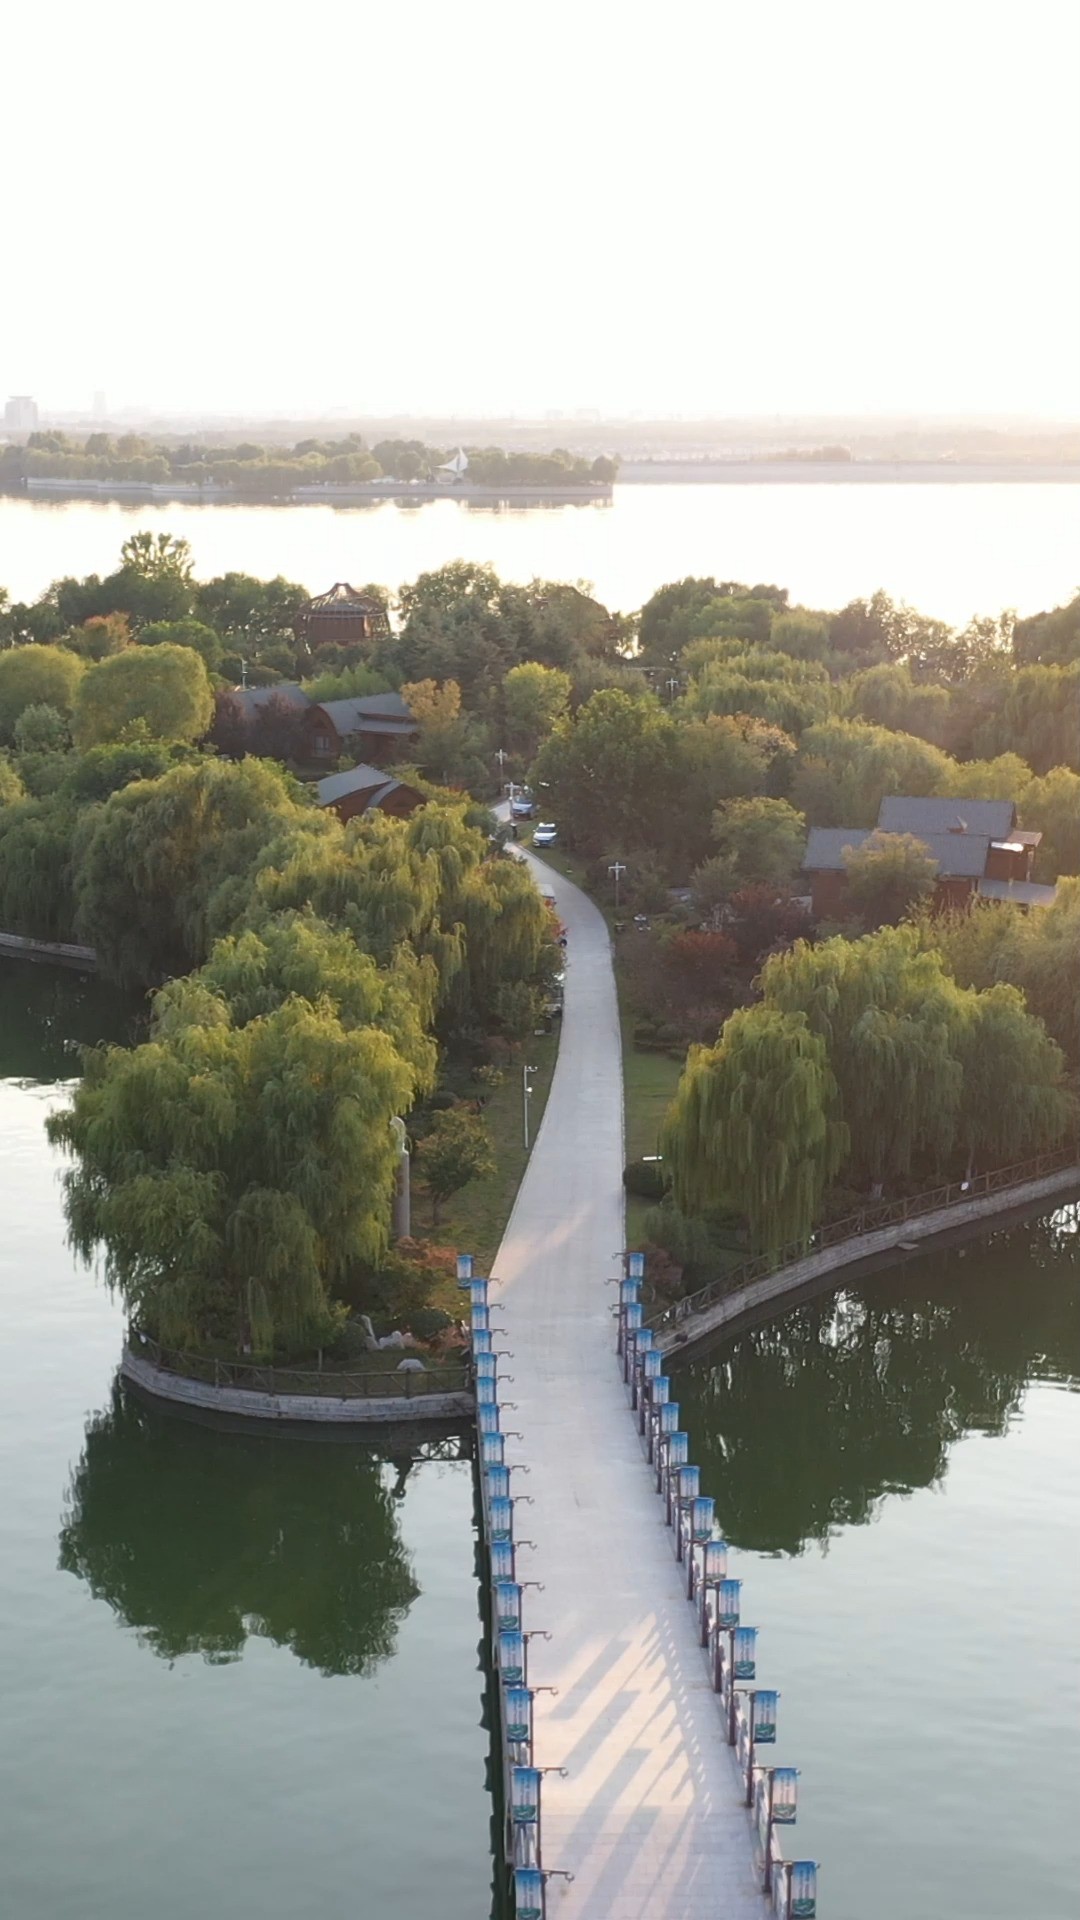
x=36, y=676
x=165, y=690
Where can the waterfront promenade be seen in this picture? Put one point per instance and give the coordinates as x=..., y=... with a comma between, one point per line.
x=649, y=1817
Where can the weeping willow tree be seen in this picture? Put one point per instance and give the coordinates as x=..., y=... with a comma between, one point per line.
x=755, y=1125
x=297, y=955
x=230, y=1174
x=149, y=862
x=1014, y=1102
x=889, y=1016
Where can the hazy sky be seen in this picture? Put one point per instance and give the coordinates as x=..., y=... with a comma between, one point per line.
x=733, y=206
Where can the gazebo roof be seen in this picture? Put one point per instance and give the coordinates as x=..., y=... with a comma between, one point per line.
x=342, y=598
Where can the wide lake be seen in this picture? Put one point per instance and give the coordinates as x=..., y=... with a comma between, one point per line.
x=950, y=549
x=243, y=1675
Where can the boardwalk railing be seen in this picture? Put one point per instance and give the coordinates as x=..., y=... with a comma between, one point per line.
x=885, y=1213
x=329, y=1382
x=748, y=1713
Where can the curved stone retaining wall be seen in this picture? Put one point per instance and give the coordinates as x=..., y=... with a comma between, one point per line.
x=776, y=1287
x=296, y=1408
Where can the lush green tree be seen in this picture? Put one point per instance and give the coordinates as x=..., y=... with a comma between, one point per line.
x=99, y=771
x=230, y=1176
x=249, y=610
x=1049, y=639
x=1013, y=1101
x=151, y=860
x=100, y=636
x=1006, y=777
x=458, y=1149
x=166, y=688
x=298, y=956
x=991, y=942
x=610, y=771
x=35, y=868
x=690, y=609
x=888, y=1016
x=845, y=769
x=535, y=698
x=453, y=746
x=803, y=634
x=728, y=676
x=1037, y=716
x=41, y=729
x=185, y=633
x=755, y=1126
x=1051, y=806
x=33, y=676
x=887, y=696
x=761, y=840
x=157, y=556
x=889, y=876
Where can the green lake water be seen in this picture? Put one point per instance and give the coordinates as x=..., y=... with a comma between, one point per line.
x=239, y=1675
x=242, y=1676
x=898, y=1465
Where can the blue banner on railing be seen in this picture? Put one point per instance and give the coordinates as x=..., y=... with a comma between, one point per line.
x=763, y=1716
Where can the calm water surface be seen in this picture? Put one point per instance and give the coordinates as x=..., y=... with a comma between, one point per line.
x=897, y=1465
x=238, y=1675
x=950, y=549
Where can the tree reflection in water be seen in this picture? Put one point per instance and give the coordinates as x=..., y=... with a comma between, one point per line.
x=199, y=1538
x=804, y=1425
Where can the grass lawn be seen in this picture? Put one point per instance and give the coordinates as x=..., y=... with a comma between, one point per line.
x=475, y=1219
x=649, y=1083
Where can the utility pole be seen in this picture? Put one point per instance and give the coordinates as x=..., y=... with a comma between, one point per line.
x=673, y=684
x=243, y=672
x=526, y=1096
x=618, y=870
x=501, y=757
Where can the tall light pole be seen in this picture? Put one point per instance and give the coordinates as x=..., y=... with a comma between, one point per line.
x=501, y=757
x=618, y=870
x=526, y=1096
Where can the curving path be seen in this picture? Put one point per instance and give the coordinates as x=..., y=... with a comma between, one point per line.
x=649, y=1819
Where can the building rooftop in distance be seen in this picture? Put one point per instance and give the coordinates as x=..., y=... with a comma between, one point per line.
x=958, y=855
x=992, y=818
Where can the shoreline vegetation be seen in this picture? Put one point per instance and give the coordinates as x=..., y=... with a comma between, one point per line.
x=310, y=982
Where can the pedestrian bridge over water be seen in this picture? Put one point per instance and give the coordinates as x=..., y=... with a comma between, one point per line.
x=624, y=1740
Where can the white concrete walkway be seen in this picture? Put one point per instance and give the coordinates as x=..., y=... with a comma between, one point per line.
x=650, y=1819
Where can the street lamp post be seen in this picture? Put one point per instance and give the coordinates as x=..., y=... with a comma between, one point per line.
x=526, y=1095
x=618, y=870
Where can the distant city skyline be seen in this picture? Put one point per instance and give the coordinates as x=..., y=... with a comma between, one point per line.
x=476, y=212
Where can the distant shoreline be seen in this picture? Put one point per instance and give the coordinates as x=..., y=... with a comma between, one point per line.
x=848, y=473
x=633, y=473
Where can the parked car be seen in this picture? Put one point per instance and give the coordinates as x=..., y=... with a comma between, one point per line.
x=545, y=834
x=521, y=806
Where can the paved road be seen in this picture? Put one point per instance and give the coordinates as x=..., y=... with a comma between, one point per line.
x=649, y=1820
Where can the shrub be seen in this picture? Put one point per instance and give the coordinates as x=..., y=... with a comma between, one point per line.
x=644, y=1178
x=428, y=1322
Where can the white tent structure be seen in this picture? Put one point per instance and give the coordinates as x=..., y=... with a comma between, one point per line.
x=455, y=469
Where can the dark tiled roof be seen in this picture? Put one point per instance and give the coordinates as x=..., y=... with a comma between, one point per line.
x=993, y=818
x=825, y=847
x=387, y=711
x=251, y=699
x=959, y=855
x=354, y=780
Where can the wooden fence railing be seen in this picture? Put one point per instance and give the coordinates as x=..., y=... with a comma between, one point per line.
x=329, y=1382
x=885, y=1213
